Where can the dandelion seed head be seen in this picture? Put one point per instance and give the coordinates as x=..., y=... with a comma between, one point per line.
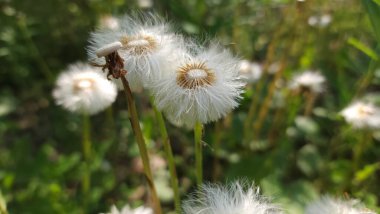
x=236, y=198
x=362, y=115
x=331, y=205
x=84, y=89
x=201, y=86
x=148, y=47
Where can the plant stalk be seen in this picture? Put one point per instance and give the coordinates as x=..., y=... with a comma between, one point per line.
x=169, y=156
x=198, y=128
x=133, y=118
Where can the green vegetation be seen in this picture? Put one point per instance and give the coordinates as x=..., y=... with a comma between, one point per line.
x=295, y=145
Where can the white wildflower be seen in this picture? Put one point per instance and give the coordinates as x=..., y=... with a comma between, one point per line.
x=310, y=80
x=84, y=89
x=109, y=22
x=320, y=21
x=148, y=47
x=145, y=3
x=325, y=20
x=235, y=198
x=201, y=87
x=127, y=210
x=362, y=115
x=250, y=71
x=331, y=205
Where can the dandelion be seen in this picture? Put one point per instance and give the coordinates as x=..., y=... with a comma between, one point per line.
x=251, y=72
x=331, y=205
x=362, y=115
x=309, y=80
x=148, y=47
x=84, y=89
x=127, y=210
x=201, y=88
x=236, y=198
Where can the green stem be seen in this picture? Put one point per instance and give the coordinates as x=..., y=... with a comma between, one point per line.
x=198, y=152
x=86, y=146
x=366, y=138
x=134, y=120
x=169, y=156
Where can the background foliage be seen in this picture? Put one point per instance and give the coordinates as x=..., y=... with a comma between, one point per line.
x=294, y=157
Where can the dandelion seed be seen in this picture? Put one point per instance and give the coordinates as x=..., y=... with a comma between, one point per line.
x=362, y=115
x=201, y=87
x=148, y=47
x=331, y=205
x=308, y=80
x=236, y=198
x=127, y=210
x=84, y=89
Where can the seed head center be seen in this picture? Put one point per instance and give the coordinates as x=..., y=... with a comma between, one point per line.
x=139, y=44
x=83, y=84
x=365, y=111
x=194, y=74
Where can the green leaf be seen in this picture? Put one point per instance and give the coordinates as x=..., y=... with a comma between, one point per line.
x=377, y=2
x=364, y=48
x=373, y=10
x=366, y=172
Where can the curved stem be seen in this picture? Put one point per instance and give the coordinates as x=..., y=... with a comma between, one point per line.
x=133, y=118
x=169, y=156
x=198, y=152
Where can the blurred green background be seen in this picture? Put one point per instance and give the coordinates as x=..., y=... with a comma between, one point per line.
x=293, y=157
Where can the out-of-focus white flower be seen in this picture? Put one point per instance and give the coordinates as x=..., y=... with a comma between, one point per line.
x=329, y=205
x=201, y=87
x=250, y=71
x=84, y=89
x=362, y=115
x=109, y=22
x=145, y=3
x=310, y=80
x=148, y=47
x=325, y=20
x=274, y=68
x=127, y=210
x=320, y=21
x=235, y=198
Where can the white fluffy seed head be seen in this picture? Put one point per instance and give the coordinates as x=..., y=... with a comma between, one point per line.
x=310, y=80
x=199, y=87
x=148, y=47
x=127, y=210
x=362, y=115
x=236, y=198
x=84, y=89
x=331, y=205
